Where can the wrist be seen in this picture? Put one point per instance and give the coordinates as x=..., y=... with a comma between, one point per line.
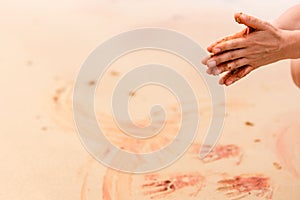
x=291, y=44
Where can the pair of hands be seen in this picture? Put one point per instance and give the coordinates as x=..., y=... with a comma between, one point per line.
x=259, y=44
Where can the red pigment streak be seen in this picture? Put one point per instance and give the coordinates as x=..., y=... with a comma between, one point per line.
x=224, y=151
x=160, y=188
x=244, y=185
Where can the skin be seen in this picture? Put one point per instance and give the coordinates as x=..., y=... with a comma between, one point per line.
x=261, y=43
x=290, y=20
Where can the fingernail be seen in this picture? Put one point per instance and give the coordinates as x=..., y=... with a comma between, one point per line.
x=242, y=16
x=228, y=82
x=221, y=81
x=204, y=61
x=209, y=71
x=216, y=50
x=238, y=20
x=211, y=63
x=217, y=71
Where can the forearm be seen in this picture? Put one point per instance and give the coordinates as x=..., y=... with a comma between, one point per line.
x=295, y=71
x=290, y=20
x=291, y=44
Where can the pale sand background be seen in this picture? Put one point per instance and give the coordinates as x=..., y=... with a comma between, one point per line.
x=43, y=44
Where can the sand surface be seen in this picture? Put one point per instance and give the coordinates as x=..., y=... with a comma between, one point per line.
x=44, y=43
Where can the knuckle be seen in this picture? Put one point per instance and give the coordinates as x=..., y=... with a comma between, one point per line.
x=252, y=19
x=222, y=67
x=235, y=63
x=267, y=24
x=234, y=44
x=231, y=55
x=231, y=65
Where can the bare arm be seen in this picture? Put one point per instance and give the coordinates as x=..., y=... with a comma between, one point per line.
x=290, y=20
x=267, y=43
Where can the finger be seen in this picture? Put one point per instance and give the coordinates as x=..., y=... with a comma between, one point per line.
x=204, y=61
x=211, y=46
x=230, y=37
x=237, y=43
x=225, y=77
x=209, y=71
x=218, y=69
x=230, y=65
x=252, y=22
x=237, y=74
x=226, y=56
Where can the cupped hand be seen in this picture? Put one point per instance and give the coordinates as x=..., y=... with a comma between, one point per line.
x=259, y=44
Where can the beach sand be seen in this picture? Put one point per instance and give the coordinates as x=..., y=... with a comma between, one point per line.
x=43, y=45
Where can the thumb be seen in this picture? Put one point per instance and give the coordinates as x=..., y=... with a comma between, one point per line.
x=251, y=21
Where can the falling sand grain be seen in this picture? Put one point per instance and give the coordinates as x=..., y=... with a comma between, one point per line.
x=114, y=73
x=91, y=83
x=257, y=140
x=247, y=123
x=44, y=128
x=277, y=165
x=131, y=94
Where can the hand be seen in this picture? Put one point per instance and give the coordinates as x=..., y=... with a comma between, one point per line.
x=230, y=37
x=259, y=45
x=242, y=33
